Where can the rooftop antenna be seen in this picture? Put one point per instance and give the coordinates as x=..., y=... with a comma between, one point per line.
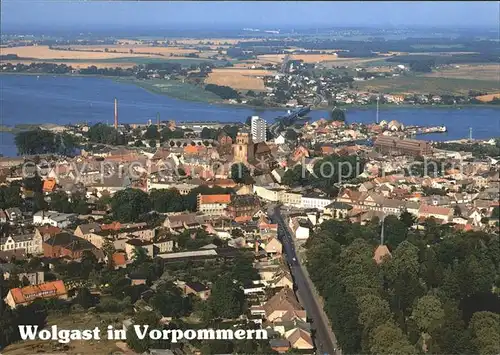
x=378, y=99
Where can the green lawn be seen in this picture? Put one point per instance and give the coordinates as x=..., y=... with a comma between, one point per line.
x=173, y=88
x=186, y=62
x=420, y=84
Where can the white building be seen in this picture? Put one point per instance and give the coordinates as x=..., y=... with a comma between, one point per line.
x=313, y=201
x=31, y=243
x=53, y=218
x=258, y=129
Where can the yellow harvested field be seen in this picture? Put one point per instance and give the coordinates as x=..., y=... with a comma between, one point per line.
x=488, y=98
x=314, y=58
x=44, y=52
x=489, y=72
x=307, y=58
x=271, y=58
x=136, y=49
x=239, y=79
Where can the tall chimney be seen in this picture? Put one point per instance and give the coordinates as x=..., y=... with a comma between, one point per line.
x=116, y=113
x=158, y=120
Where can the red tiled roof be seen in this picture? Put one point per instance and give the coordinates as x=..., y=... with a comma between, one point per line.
x=222, y=198
x=437, y=210
x=29, y=293
x=49, y=185
x=119, y=259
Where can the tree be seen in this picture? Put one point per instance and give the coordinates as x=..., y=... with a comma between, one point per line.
x=388, y=339
x=140, y=256
x=130, y=204
x=240, y=173
x=102, y=133
x=84, y=298
x=152, y=132
x=407, y=219
x=42, y=142
x=142, y=318
x=373, y=311
x=428, y=314
x=394, y=231
x=485, y=330
x=226, y=299
x=297, y=176
x=170, y=302
x=167, y=200
x=337, y=115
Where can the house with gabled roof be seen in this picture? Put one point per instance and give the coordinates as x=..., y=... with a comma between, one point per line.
x=284, y=306
x=26, y=295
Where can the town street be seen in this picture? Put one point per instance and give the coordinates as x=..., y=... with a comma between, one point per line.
x=326, y=342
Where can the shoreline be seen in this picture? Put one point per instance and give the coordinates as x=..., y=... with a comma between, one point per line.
x=148, y=87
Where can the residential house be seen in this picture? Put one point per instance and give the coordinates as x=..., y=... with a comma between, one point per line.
x=243, y=205
x=25, y=295
x=442, y=213
x=34, y=278
x=273, y=246
x=67, y=245
x=53, y=218
x=284, y=306
x=181, y=221
x=30, y=242
x=315, y=201
x=281, y=279
x=132, y=244
x=337, y=210
x=300, y=339
x=290, y=198
x=213, y=204
x=301, y=227
x=196, y=288
x=163, y=245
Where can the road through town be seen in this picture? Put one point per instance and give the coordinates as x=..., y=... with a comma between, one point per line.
x=326, y=342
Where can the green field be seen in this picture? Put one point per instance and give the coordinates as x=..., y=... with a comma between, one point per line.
x=173, y=88
x=185, y=62
x=426, y=85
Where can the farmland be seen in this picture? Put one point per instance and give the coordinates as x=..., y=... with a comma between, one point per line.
x=488, y=98
x=426, y=85
x=476, y=72
x=239, y=79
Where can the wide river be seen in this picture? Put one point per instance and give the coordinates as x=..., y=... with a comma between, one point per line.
x=66, y=99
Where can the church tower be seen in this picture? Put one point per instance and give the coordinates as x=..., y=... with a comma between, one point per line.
x=243, y=148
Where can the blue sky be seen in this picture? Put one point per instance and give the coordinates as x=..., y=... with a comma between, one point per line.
x=201, y=14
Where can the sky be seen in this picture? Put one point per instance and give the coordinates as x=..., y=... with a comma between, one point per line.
x=47, y=14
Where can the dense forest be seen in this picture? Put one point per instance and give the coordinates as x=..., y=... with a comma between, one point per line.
x=224, y=92
x=436, y=293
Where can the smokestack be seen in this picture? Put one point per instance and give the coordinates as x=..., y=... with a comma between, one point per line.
x=116, y=113
x=158, y=120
